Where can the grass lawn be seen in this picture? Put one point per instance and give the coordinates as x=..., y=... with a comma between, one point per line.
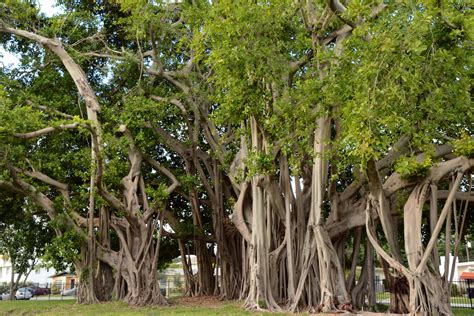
x=460, y=300
x=182, y=306
x=204, y=306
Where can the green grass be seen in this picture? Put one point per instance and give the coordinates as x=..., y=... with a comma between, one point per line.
x=120, y=308
x=460, y=300
x=114, y=308
x=463, y=311
x=454, y=299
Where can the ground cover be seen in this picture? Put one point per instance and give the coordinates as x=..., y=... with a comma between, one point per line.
x=180, y=306
x=191, y=306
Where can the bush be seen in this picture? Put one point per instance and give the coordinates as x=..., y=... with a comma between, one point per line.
x=4, y=287
x=455, y=290
x=56, y=288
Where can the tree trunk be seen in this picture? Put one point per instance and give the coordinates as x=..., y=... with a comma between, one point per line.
x=12, y=279
x=86, y=291
x=189, y=279
x=426, y=290
x=331, y=277
x=258, y=251
x=104, y=278
x=139, y=257
x=228, y=257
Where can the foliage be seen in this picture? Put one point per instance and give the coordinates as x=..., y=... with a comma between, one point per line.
x=410, y=168
x=259, y=163
x=169, y=250
x=64, y=250
x=411, y=78
x=464, y=146
x=24, y=233
x=189, y=78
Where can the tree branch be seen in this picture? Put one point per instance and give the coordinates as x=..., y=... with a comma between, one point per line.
x=155, y=164
x=45, y=131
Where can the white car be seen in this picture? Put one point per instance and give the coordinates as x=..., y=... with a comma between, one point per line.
x=5, y=296
x=24, y=293
x=70, y=292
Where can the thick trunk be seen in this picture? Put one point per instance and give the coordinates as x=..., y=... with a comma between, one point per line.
x=260, y=291
x=205, y=278
x=359, y=292
x=399, y=302
x=399, y=291
x=138, y=263
x=205, y=272
x=355, y=258
x=229, y=258
x=426, y=290
x=189, y=279
x=383, y=209
x=333, y=293
x=137, y=260
x=86, y=292
x=104, y=277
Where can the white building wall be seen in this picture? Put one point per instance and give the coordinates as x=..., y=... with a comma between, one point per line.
x=442, y=263
x=459, y=267
x=5, y=270
x=41, y=276
x=38, y=275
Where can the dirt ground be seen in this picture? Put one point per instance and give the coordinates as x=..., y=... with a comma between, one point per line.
x=214, y=303
x=200, y=301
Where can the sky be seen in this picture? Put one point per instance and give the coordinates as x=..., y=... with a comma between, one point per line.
x=48, y=8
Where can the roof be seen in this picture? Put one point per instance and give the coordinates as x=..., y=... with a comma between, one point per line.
x=59, y=274
x=467, y=276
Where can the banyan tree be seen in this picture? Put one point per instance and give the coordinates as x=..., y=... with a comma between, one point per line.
x=292, y=145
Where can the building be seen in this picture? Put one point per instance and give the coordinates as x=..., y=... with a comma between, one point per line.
x=459, y=267
x=63, y=281
x=39, y=275
x=172, y=278
x=5, y=270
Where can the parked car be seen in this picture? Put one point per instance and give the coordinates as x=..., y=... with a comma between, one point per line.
x=5, y=296
x=70, y=292
x=24, y=293
x=41, y=291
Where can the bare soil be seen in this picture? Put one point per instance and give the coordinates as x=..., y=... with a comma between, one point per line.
x=200, y=301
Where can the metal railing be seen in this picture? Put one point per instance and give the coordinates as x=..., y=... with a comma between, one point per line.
x=462, y=293
x=64, y=291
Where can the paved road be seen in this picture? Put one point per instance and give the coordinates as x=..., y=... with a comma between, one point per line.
x=52, y=298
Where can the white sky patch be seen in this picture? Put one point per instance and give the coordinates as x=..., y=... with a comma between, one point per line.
x=7, y=60
x=49, y=8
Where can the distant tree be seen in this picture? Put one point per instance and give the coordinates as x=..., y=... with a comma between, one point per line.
x=24, y=235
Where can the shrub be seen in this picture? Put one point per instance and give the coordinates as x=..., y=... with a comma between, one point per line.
x=56, y=288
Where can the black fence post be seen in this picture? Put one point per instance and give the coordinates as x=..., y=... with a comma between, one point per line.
x=469, y=292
